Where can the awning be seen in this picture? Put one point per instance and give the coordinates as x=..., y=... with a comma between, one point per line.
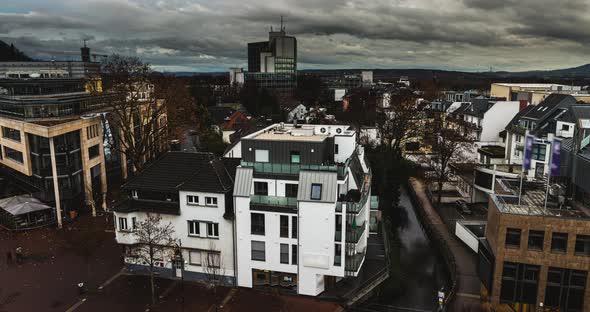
x=22, y=204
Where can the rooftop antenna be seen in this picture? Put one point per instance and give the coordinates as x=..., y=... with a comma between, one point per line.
x=282, y=27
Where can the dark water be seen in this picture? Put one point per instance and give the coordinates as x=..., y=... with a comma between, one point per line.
x=422, y=269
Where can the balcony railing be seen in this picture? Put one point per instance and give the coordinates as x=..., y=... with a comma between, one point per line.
x=354, y=262
x=353, y=235
x=277, y=201
x=285, y=168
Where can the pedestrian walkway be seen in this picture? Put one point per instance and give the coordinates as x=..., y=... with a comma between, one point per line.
x=468, y=284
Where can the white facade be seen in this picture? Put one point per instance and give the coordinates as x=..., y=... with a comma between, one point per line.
x=307, y=242
x=214, y=234
x=297, y=113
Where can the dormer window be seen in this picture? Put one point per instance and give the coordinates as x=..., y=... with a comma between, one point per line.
x=316, y=191
x=134, y=194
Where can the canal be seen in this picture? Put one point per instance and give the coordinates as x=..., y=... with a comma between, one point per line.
x=422, y=271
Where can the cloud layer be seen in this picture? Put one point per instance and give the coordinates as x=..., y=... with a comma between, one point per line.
x=199, y=35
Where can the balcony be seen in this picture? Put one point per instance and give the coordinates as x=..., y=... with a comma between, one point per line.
x=353, y=263
x=354, y=234
x=275, y=201
x=273, y=168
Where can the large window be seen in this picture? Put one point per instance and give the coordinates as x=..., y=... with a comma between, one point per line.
x=284, y=230
x=257, y=223
x=11, y=134
x=536, y=239
x=261, y=155
x=258, y=251
x=565, y=289
x=316, y=191
x=194, y=228
x=559, y=242
x=285, y=253
x=519, y=283
x=213, y=230
x=583, y=245
x=539, y=151
x=93, y=151
x=295, y=157
x=13, y=155
x=261, y=188
x=337, y=254
x=291, y=190
x=294, y=227
x=513, y=238
x=194, y=257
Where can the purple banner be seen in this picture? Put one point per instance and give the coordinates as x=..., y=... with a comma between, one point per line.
x=555, y=157
x=528, y=152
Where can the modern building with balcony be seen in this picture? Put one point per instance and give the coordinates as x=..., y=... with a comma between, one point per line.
x=302, y=199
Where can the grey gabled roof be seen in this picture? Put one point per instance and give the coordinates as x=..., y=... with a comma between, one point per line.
x=328, y=180
x=546, y=108
x=243, y=184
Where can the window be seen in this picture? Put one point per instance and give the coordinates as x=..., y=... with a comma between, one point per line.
x=559, y=242
x=294, y=256
x=284, y=227
x=519, y=283
x=192, y=199
x=134, y=223
x=261, y=188
x=295, y=157
x=194, y=257
x=123, y=224
x=11, y=134
x=539, y=151
x=285, y=253
x=258, y=253
x=337, y=254
x=565, y=289
x=211, y=201
x=134, y=194
x=583, y=245
x=261, y=155
x=335, y=148
x=212, y=260
x=212, y=229
x=518, y=138
x=512, y=237
x=536, y=239
x=316, y=191
x=13, y=155
x=338, y=227
x=93, y=151
x=194, y=228
x=257, y=223
x=92, y=131
x=293, y=227
x=565, y=127
x=291, y=190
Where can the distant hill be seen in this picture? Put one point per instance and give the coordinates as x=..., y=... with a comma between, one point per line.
x=8, y=52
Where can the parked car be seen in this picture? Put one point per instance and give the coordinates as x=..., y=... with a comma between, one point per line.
x=463, y=207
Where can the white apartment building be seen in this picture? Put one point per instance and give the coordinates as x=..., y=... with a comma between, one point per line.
x=301, y=207
x=192, y=191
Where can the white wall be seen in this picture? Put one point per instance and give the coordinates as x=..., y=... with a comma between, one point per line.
x=467, y=237
x=496, y=119
x=235, y=151
x=223, y=244
x=346, y=146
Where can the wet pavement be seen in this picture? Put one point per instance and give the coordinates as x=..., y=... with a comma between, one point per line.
x=423, y=271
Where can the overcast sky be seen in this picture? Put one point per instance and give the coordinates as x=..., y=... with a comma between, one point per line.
x=211, y=35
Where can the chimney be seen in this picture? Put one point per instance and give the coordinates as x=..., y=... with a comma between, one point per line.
x=523, y=104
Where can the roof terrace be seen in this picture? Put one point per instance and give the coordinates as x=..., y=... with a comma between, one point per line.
x=297, y=132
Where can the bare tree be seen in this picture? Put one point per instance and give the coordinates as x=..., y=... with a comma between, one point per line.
x=450, y=141
x=154, y=241
x=213, y=265
x=400, y=122
x=136, y=118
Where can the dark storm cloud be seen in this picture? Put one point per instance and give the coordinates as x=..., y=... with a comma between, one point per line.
x=212, y=35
